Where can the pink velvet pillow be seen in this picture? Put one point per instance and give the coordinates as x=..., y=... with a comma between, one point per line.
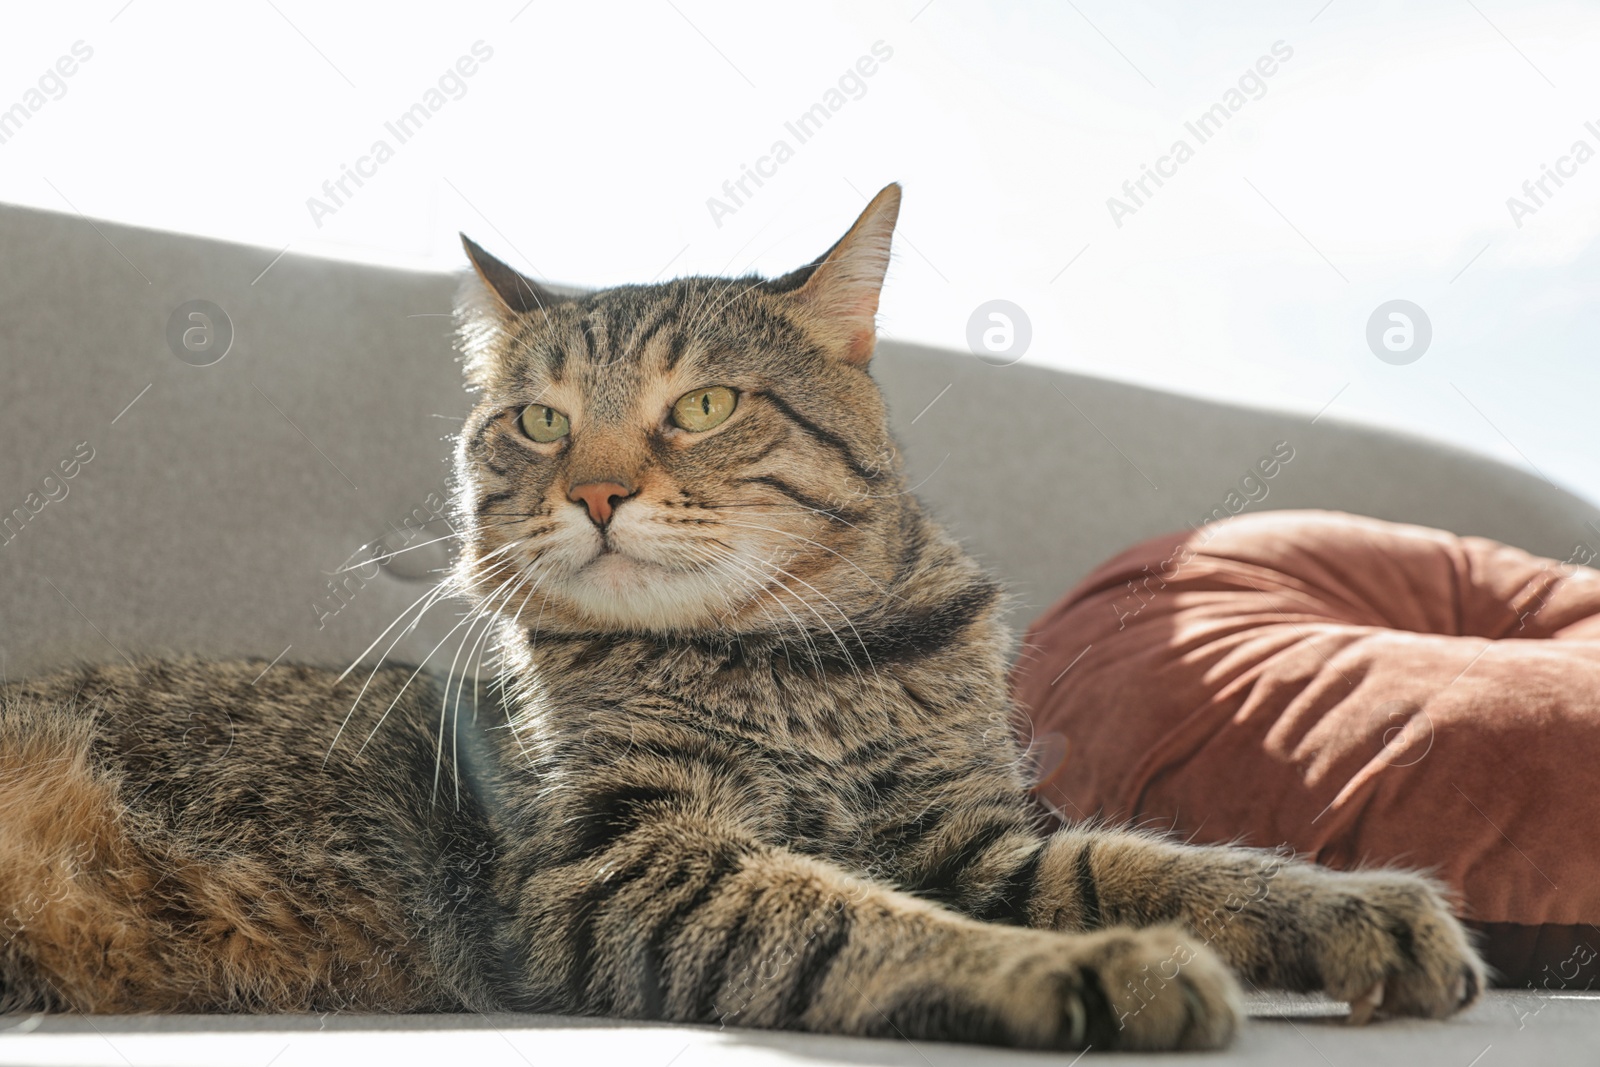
x=1366, y=692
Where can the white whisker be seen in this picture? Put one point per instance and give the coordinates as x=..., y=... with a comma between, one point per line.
x=470, y=616
x=432, y=596
x=879, y=586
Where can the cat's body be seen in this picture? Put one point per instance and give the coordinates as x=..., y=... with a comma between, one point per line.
x=753, y=761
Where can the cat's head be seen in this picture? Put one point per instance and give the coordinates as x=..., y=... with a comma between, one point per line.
x=702, y=455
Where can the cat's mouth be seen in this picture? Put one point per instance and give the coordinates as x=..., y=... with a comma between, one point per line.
x=628, y=576
x=611, y=554
x=612, y=557
x=647, y=579
x=615, y=571
x=626, y=571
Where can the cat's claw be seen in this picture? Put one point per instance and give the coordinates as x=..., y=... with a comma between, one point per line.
x=1363, y=1007
x=1385, y=942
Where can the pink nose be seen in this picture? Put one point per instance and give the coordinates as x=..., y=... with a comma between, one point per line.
x=601, y=498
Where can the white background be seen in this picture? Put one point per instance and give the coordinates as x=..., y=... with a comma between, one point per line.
x=1377, y=165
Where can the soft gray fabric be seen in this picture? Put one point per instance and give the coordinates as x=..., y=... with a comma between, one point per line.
x=217, y=506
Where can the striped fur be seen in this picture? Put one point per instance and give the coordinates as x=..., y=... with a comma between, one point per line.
x=750, y=759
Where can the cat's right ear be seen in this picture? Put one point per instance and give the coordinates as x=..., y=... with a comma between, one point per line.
x=515, y=291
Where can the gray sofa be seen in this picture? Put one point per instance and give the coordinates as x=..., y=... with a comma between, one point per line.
x=151, y=505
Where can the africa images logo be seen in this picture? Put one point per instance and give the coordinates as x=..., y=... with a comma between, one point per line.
x=451, y=85
x=1209, y=123
x=804, y=127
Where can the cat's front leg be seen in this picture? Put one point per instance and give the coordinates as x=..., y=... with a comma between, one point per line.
x=1385, y=941
x=679, y=919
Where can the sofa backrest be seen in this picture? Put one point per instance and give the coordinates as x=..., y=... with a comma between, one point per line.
x=151, y=505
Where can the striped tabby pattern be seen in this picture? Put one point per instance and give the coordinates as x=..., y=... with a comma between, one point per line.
x=750, y=760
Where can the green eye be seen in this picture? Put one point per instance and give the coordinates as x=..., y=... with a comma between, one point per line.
x=704, y=408
x=544, y=424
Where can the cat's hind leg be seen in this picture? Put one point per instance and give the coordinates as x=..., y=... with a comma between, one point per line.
x=63, y=938
x=131, y=881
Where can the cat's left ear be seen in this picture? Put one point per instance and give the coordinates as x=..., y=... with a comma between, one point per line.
x=840, y=295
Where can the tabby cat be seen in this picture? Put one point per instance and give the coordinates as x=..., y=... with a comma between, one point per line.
x=750, y=758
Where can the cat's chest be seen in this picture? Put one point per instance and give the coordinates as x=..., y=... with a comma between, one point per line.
x=823, y=795
x=795, y=752
x=782, y=709
x=813, y=758
x=808, y=762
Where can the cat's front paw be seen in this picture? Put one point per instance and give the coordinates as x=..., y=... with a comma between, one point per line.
x=1150, y=989
x=1386, y=942
x=1165, y=990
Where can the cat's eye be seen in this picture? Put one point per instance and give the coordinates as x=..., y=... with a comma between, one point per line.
x=544, y=424
x=704, y=409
